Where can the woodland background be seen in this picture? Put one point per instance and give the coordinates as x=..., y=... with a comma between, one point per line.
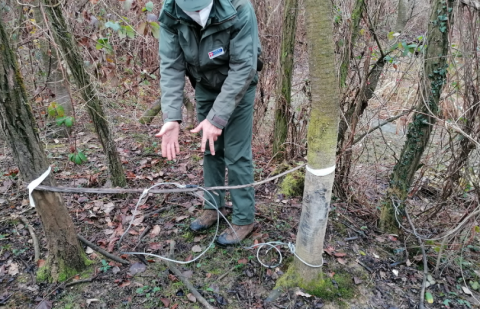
x=381, y=67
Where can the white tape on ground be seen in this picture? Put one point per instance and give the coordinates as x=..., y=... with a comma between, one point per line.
x=35, y=184
x=322, y=172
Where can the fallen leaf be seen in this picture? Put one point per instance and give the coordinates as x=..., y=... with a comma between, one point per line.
x=199, y=238
x=165, y=301
x=188, y=274
x=242, y=261
x=197, y=248
x=45, y=304
x=172, y=278
x=340, y=254
x=429, y=297
x=395, y=272
x=124, y=284
x=13, y=269
x=111, y=244
x=89, y=250
x=181, y=218
x=174, y=306
x=329, y=250
x=107, y=208
x=155, y=246
x=392, y=238
x=41, y=263
x=137, y=268
x=137, y=221
x=155, y=231
x=357, y=280
x=115, y=270
x=208, y=275
x=191, y=298
x=466, y=290
x=342, y=261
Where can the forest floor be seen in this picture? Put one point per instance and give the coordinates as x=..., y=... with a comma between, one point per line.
x=367, y=269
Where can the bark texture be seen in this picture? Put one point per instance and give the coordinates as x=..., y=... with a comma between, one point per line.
x=282, y=109
x=71, y=53
x=322, y=139
x=418, y=136
x=66, y=257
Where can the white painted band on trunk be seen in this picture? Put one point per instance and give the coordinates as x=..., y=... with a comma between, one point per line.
x=322, y=172
x=35, y=183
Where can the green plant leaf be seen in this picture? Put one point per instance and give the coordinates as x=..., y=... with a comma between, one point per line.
x=60, y=111
x=155, y=29
x=69, y=121
x=60, y=121
x=429, y=297
x=149, y=6
x=130, y=32
x=52, y=109
x=82, y=156
x=113, y=25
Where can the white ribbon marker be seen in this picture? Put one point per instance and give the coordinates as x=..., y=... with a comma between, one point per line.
x=35, y=184
x=322, y=172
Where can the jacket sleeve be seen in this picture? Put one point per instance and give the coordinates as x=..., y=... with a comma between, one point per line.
x=242, y=67
x=172, y=74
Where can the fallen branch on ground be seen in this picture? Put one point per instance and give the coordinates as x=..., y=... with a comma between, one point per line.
x=185, y=281
x=36, y=247
x=103, y=252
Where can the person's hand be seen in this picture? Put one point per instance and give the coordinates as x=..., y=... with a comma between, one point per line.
x=210, y=134
x=169, y=135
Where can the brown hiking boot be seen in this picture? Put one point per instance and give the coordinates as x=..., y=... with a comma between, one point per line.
x=207, y=219
x=228, y=237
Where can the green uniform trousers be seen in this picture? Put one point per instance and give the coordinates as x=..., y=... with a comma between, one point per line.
x=233, y=150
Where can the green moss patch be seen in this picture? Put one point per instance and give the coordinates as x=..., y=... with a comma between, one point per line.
x=293, y=184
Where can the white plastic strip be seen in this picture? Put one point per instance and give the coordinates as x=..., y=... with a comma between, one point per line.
x=35, y=184
x=322, y=172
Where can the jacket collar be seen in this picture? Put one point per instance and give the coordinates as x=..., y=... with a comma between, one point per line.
x=222, y=11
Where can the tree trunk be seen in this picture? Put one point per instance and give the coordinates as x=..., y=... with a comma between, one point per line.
x=282, y=108
x=322, y=142
x=66, y=256
x=71, y=53
x=55, y=80
x=156, y=108
x=418, y=136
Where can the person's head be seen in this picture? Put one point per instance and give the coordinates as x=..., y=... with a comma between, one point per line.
x=193, y=5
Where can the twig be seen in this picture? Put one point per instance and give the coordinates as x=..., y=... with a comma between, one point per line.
x=36, y=247
x=364, y=266
x=103, y=252
x=81, y=281
x=225, y=274
x=425, y=265
x=185, y=281
x=145, y=231
x=381, y=125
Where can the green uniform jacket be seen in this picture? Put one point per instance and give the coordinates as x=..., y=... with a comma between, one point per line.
x=221, y=57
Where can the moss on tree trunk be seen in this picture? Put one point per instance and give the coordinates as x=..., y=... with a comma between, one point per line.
x=18, y=123
x=72, y=56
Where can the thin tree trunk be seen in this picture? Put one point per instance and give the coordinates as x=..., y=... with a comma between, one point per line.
x=71, y=53
x=55, y=80
x=156, y=108
x=434, y=77
x=322, y=142
x=66, y=257
x=282, y=108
